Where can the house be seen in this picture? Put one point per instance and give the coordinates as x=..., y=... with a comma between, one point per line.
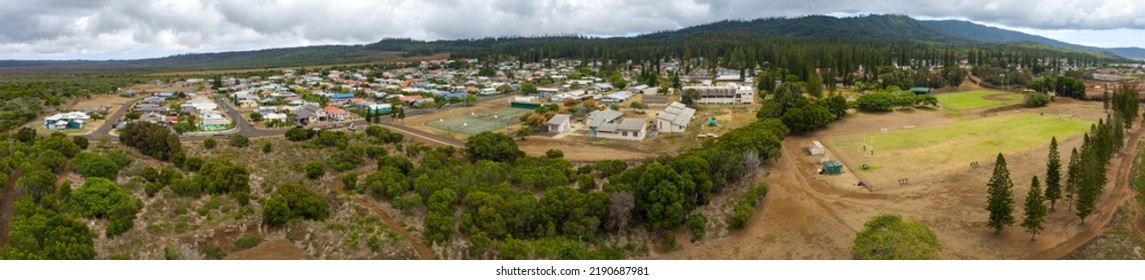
x=379, y=108
x=560, y=123
x=266, y=110
x=305, y=117
x=359, y=102
x=73, y=120
x=627, y=129
x=445, y=95
x=248, y=103
x=340, y=96
x=656, y=100
x=409, y=99
x=920, y=90
x=597, y=119
x=487, y=91
x=602, y=87
x=213, y=121
x=199, y=104
x=616, y=97
x=153, y=117
x=674, y=118
x=336, y=114
x=816, y=148
x=150, y=108
x=274, y=117
x=164, y=95
x=423, y=101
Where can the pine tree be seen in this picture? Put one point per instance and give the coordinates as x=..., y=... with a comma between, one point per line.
x=1035, y=209
x=1073, y=169
x=1000, y=197
x=1088, y=185
x=1053, y=174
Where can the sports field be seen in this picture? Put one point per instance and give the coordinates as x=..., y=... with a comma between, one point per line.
x=475, y=123
x=976, y=99
x=956, y=144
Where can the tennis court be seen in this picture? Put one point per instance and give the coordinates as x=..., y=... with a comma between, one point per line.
x=479, y=122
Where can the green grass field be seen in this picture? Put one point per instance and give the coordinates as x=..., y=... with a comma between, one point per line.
x=975, y=99
x=958, y=143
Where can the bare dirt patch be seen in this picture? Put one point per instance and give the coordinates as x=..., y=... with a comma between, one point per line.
x=280, y=249
x=574, y=151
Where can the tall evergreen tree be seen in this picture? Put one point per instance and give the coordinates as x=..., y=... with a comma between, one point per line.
x=814, y=85
x=1088, y=186
x=1072, y=171
x=1035, y=209
x=1053, y=174
x=1000, y=198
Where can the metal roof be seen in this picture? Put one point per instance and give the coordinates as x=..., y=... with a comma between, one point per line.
x=559, y=119
x=677, y=114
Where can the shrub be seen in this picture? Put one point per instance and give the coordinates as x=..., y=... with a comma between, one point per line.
x=239, y=141
x=740, y=216
x=698, y=222
x=214, y=252
x=300, y=134
x=93, y=165
x=586, y=182
x=120, y=158
x=267, y=147
x=247, y=242
x=350, y=181
x=876, y=102
x=80, y=141
x=151, y=139
x=293, y=201
x=314, y=170
x=1037, y=99
x=210, y=143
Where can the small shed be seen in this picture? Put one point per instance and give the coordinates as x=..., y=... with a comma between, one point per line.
x=920, y=90
x=816, y=148
x=832, y=167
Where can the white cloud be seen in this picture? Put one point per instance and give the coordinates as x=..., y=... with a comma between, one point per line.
x=58, y=29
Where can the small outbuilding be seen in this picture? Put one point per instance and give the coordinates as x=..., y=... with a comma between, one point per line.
x=816, y=148
x=560, y=123
x=920, y=90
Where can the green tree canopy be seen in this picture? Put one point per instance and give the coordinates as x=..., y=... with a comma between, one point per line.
x=889, y=237
x=492, y=146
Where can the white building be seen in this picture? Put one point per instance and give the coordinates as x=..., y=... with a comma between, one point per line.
x=816, y=148
x=560, y=123
x=675, y=118
x=727, y=94
x=628, y=129
x=66, y=120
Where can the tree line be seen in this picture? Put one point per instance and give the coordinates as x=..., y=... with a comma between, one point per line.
x=1085, y=176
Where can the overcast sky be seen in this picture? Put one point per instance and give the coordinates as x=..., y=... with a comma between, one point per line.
x=115, y=29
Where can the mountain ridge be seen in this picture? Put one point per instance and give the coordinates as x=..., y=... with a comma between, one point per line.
x=891, y=28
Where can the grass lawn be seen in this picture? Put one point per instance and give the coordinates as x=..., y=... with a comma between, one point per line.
x=959, y=143
x=977, y=99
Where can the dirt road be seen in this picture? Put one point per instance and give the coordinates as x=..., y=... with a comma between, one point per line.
x=423, y=251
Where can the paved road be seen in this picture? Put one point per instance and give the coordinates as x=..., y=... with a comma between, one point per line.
x=110, y=121
x=249, y=130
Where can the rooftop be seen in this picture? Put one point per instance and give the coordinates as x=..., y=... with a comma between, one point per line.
x=677, y=114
